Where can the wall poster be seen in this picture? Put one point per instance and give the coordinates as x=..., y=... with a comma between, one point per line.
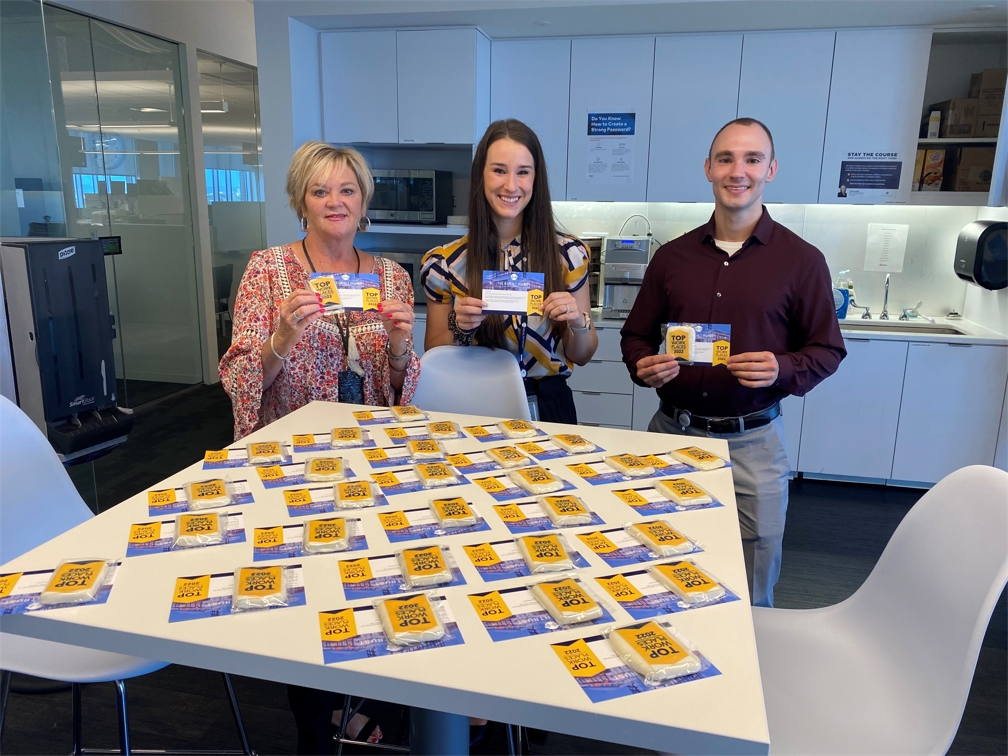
x=870, y=176
x=611, y=148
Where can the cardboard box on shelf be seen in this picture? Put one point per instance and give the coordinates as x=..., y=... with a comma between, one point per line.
x=988, y=126
x=918, y=166
x=931, y=176
x=989, y=87
x=975, y=168
x=958, y=116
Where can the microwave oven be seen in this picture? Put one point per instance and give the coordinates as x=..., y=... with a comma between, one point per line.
x=407, y=196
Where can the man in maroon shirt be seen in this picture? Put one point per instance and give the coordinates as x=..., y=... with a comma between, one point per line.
x=742, y=269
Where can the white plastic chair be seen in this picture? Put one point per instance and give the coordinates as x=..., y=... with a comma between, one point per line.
x=889, y=669
x=471, y=381
x=38, y=502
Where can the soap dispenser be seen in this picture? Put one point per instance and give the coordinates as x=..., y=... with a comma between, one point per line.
x=842, y=294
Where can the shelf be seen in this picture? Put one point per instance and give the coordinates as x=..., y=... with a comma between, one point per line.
x=961, y=140
x=418, y=229
x=950, y=199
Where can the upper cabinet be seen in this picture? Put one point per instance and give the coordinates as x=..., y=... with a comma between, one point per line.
x=359, y=87
x=443, y=86
x=696, y=84
x=407, y=87
x=874, y=115
x=530, y=81
x=609, y=119
x=786, y=84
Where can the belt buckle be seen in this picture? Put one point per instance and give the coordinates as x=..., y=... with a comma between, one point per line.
x=684, y=418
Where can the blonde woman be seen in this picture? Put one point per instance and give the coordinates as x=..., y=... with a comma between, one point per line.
x=285, y=351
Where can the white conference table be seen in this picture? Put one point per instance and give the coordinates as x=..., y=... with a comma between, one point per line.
x=520, y=681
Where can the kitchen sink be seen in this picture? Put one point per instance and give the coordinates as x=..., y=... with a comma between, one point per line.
x=903, y=326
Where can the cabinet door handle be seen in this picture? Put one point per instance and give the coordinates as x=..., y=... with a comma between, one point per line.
x=961, y=346
x=596, y=362
x=849, y=338
x=592, y=393
x=593, y=425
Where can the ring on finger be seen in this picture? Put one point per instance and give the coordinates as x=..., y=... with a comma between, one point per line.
x=297, y=317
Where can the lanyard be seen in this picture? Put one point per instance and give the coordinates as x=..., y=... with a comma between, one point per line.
x=519, y=323
x=343, y=324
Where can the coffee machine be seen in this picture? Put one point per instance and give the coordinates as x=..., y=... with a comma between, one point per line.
x=626, y=259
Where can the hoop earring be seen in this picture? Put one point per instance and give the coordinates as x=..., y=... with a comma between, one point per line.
x=304, y=225
x=364, y=224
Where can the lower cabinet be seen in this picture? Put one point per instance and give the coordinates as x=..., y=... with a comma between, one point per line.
x=645, y=404
x=419, y=331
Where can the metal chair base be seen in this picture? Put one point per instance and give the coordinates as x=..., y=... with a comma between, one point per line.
x=341, y=739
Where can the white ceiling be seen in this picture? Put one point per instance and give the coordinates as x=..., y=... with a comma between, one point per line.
x=562, y=18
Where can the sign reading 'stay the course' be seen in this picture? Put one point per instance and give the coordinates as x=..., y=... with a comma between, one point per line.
x=356, y=633
x=20, y=591
x=512, y=292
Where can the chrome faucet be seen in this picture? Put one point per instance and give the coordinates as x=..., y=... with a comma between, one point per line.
x=866, y=315
x=885, y=301
x=914, y=312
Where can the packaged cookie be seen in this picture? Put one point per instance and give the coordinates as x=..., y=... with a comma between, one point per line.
x=687, y=581
x=660, y=537
x=354, y=494
x=630, y=465
x=572, y=443
x=536, y=480
x=348, y=438
x=407, y=413
x=425, y=449
x=565, y=511
x=424, y=567
x=324, y=469
x=544, y=553
x=699, y=458
x=75, y=581
x=443, y=430
x=652, y=652
x=264, y=452
x=453, y=513
x=199, y=529
x=680, y=341
x=508, y=457
x=258, y=588
x=683, y=492
x=325, y=535
x=566, y=601
x=435, y=474
x=203, y=494
x=409, y=621
x=518, y=429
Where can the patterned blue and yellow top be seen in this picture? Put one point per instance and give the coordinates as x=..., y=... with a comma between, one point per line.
x=443, y=275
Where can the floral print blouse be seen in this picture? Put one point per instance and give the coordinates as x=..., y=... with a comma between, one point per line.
x=310, y=372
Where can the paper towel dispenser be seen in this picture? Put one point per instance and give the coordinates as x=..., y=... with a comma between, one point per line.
x=982, y=254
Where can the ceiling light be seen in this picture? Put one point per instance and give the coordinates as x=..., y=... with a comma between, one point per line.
x=214, y=107
x=149, y=110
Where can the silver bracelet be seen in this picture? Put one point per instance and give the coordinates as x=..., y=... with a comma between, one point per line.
x=273, y=349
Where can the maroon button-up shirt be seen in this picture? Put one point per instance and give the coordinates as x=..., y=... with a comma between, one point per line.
x=776, y=295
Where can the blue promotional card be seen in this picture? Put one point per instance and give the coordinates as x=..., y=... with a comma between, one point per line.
x=174, y=500
x=515, y=613
x=642, y=596
x=529, y=517
x=617, y=548
x=158, y=537
x=356, y=633
x=20, y=591
x=318, y=500
x=512, y=292
x=286, y=541
x=201, y=596
x=370, y=577
x=501, y=560
x=420, y=523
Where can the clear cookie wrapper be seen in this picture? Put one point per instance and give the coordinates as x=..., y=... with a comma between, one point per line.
x=565, y=511
x=566, y=600
x=654, y=650
x=660, y=537
x=324, y=469
x=258, y=588
x=435, y=475
x=699, y=458
x=518, y=429
x=215, y=492
x=348, y=438
x=443, y=430
x=683, y=492
x=354, y=494
x=687, y=581
x=630, y=465
x=453, y=513
x=548, y=552
x=508, y=457
x=75, y=581
x=679, y=340
x=407, y=413
x=421, y=450
x=536, y=480
x=572, y=443
x=265, y=452
x=199, y=529
x=411, y=620
x=325, y=536
x=424, y=567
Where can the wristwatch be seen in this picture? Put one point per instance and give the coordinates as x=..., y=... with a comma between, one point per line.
x=585, y=323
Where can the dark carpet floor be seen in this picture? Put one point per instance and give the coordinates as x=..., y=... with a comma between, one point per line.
x=181, y=707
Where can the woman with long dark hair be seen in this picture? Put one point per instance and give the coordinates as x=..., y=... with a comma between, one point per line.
x=511, y=227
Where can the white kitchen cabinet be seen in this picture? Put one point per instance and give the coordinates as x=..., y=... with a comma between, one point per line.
x=792, y=411
x=443, y=87
x=359, y=102
x=952, y=400
x=645, y=404
x=609, y=410
x=696, y=84
x=786, y=84
x=849, y=420
x=530, y=81
x=609, y=75
x=875, y=101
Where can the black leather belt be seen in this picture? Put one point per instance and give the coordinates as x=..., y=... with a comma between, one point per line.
x=721, y=424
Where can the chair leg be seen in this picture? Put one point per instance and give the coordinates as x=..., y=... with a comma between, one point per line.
x=75, y=697
x=246, y=748
x=5, y=681
x=511, y=742
x=344, y=723
x=124, y=740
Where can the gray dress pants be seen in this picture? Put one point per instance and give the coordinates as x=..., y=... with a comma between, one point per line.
x=760, y=470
